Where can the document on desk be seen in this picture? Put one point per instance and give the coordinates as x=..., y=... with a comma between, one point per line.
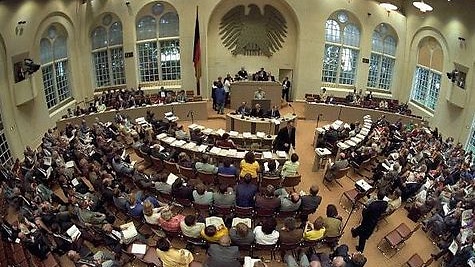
x=233, y=133
x=247, y=135
x=161, y=136
x=267, y=154
x=281, y=154
x=215, y=150
x=139, y=248
x=171, y=178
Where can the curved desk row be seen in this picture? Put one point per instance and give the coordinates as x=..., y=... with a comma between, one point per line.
x=216, y=153
x=253, y=125
x=331, y=112
x=181, y=110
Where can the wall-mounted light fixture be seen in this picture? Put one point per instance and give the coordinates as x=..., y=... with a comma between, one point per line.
x=19, y=27
x=388, y=6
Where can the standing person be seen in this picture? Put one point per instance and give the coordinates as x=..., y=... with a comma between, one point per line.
x=220, y=99
x=286, y=89
x=371, y=215
x=285, y=138
x=213, y=94
x=227, y=87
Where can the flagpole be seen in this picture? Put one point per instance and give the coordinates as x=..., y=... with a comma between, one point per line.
x=197, y=77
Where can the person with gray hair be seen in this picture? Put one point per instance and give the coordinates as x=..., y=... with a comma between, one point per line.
x=223, y=254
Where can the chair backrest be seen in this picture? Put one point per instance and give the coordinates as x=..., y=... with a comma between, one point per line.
x=201, y=207
x=341, y=173
x=265, y=213
x=184, y=202
x=271, y=180
x=243, y=212
x=171, y=167
x=222, y=210
x=265, y=247
x=285, y=214
x=229, y=180
x=289, y=246
x=157, y=163
x=188, y=173
x=205, y=178
x=428, y=262
x=292, y=181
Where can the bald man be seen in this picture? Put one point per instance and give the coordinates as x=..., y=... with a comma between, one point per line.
x=223, y=254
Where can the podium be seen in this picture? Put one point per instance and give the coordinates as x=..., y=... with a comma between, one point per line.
x=265, y=104
x=244, y=91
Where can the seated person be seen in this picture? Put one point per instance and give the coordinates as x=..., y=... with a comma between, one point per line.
x=245, y=192
x=227, y=168
x=190, y=227
x=135, y=204
x=249, y=165
x=291, y=166
x=290, y=234
x=259, y=94
x=335, y=167
x=257, y=111
x=181, y=97
x=184, y=160
x=242, y=74
x=120, y=167
x=169, y=222
x=225, y=196
x=181, y=134
x=314, y=231
x=212, y=233
x=201, y=196
x=241, y=235
x=225, y=142
x=171, y=256
x=204, y=166
x=270, y=168
x=160, y=183
x=267, y=200
x=102, y=258
x=288, y=202
x=273, y=113
x=243, y=109
x=266, y=234
x=150, y=213
x=182, y=190
x=332, y=222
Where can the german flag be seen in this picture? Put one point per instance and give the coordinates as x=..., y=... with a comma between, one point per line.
x=197, y=49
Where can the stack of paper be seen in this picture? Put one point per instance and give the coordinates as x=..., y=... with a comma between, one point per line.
x=247, y=135
x=246, y=221
x=233, y=133
x=281, y=154
x=240, y=154
x=178, y=143
x=161, y=136
x=223, y=152
x=139, y=249
x=267, y=154
x=207, y=131
x=220, y=132
x=193, y=126
x=73, y=232
x=69, y=164
x=342, y=145
x=214, y=220
x=202, y=148
x=169, y=139
x=128, y=231
x=171, y=178
x=249, y=262
x=190, y=145
x=232, y=152
x=261, y=134
x=215, y=150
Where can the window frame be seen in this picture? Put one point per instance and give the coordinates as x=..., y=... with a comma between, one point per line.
x=5, y=153
x=58, y=92
x=343, y=39
x=157, y=72
x=386, y=54
x=109, y=77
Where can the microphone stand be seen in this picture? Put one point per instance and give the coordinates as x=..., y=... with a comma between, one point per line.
x=353, y=206
x=339, y=112
x=192, y=116
x=293, y=110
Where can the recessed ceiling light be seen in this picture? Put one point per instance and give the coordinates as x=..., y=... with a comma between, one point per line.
x=388, y=6
x=422, y=6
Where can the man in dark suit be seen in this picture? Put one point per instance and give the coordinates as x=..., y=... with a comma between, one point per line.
x=268, y=200
x=245, y=192
x=371, y=215
x=286, y=89
x=285, y=138
x=309, y=202
x=257, y=111
x=223, y=254
x=337, y=166
x=273, y=113
x=243, y=109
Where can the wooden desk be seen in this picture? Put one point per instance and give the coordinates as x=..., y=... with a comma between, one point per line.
x=254, y=125
x=181, y=110
x=351, y=114
x=244, y=91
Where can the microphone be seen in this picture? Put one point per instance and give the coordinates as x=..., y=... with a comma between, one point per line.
x=293, y=110
x=188, y=114
x=173, y=109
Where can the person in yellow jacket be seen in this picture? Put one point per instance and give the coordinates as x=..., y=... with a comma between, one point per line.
x=172, y=257
x=212, y=233
x=314, y=231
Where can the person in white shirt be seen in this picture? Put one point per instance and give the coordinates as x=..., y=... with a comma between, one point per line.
x=266, y=234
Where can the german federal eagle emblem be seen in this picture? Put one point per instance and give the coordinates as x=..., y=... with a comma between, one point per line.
x=253, y=34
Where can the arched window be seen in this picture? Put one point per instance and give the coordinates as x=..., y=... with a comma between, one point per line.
x=383, y=56
x=108, y=53
x=428, y=74
x=54, y=65
x=158, y=44
x=342, y=42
